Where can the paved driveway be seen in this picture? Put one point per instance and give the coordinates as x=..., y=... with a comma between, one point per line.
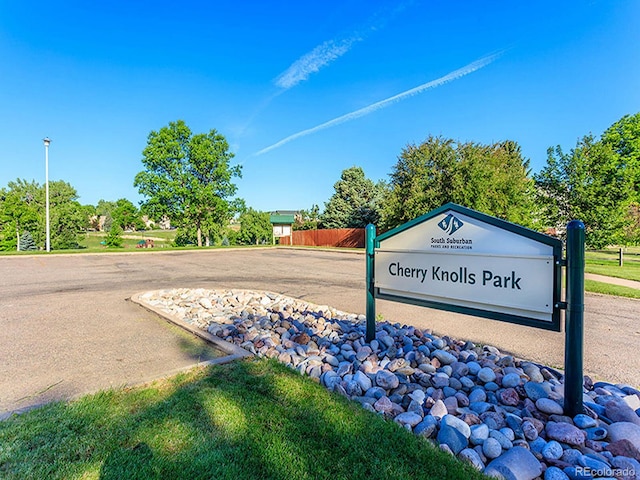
x=66, y=327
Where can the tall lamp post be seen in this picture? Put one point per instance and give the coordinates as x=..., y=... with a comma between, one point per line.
x=47, y=141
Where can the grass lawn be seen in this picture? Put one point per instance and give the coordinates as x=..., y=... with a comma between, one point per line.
x=605, y=262
x=161, y=239
x=253, y=419
x=609, y=289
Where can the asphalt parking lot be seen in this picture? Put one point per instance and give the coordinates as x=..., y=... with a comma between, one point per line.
x=66, y=327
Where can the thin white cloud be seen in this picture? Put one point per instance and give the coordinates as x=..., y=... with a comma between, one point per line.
x=313, y=61
x=450, y=77
x=327, y=52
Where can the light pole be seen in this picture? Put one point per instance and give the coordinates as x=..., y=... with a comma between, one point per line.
x=47, y=141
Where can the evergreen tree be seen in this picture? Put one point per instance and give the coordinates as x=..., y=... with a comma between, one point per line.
x=27, y=243
x=355, y=203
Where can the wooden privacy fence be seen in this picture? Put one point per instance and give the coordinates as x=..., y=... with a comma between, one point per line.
x=330, y=237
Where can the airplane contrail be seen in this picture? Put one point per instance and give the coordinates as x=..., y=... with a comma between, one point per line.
x=456, y=74
x=330, y=50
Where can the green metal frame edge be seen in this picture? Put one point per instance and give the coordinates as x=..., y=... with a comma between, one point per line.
x=555, y=243
x=554, y=325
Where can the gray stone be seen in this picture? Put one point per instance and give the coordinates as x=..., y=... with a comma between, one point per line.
x=624, y=431
x=474, y=367
x=511, y=380
x=387, y=380
x=479, y=433
x=451, y=437
x=491, y=448
x=440, y=380
x=444, y=357
x=533, y=372
x=536, y=390
x=516, y=464
x=552, y=450
x=383, y=405
x=471, y=456
x=571, y=456
x=554, y=473
x=549, y=406
x=477, y=395
x=584, y=421
x=486, y=374
x=439, y=409
x=363, y=380
x=427, y=427
x=504, y=442
x=456, y=423
x=565, y=433
x=618, y=411
x=408, y=418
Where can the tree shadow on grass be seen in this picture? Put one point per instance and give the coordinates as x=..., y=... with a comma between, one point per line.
x=249, y=419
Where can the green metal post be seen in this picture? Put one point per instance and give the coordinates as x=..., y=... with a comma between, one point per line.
x=574, y=319
x=371, y=301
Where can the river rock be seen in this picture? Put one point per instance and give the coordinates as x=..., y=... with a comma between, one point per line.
x=618, y=411
x=408, y=418
x=486, y=375
x=516, y=464
x=552, y=450
x=491, y=448
x=624, y=431
x=565, y=433
x=451, y=437
x=554, y=473
x=387, y=380
x=471, y=456
x=456, y=423
x=549, y=406
x=444, y=357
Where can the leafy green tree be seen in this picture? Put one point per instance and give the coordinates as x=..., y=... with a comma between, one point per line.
x=255, y=228
x=308, y=219
x=624, y=139
x=126, y=215
x=22, y=208
x=21, y=203
x=493, y=179
x=355, y=203
x=114, y=237
x=591, y=183
x=188, y=178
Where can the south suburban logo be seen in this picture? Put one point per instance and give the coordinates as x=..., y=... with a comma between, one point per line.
x=450, y=225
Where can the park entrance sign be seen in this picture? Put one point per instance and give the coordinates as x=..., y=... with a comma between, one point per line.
x=457, y=259
x=461, y=260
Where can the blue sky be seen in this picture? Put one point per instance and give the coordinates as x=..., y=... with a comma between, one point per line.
x=303, y=89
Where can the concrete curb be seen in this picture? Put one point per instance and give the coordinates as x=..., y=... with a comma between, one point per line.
x=234, y=352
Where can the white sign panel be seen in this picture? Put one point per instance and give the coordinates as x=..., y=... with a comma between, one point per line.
x=519, y=286
x=458, y=257
x=455, y=232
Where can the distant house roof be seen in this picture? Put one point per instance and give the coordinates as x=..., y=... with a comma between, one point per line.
x=285, y=212
x=278, y=218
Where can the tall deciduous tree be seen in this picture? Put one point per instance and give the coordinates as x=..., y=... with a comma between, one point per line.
x=355, y=203
x=493, y=179
x=188, y=178
x=22, y=208
x=255, y=228
x=592, y=183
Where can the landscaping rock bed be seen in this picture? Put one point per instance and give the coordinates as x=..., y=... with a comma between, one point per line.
x=501, y=414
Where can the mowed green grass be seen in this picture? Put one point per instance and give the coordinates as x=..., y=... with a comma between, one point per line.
x=161, y=239
x=606, y=262
x=253, y=419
